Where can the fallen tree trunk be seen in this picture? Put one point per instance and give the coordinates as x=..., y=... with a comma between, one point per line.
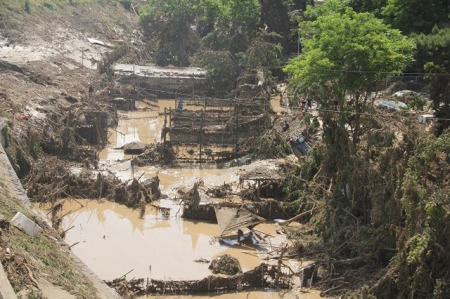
x=295, y=218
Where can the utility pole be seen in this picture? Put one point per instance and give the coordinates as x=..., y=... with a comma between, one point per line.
x=82, y=57
x=201, y=137
x=236, y=146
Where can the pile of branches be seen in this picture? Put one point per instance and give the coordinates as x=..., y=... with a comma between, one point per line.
x=156, y=154
x=264, y=275
x=135, y=194
x=52, y=179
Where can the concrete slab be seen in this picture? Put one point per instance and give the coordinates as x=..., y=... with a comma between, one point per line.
x=25, y=224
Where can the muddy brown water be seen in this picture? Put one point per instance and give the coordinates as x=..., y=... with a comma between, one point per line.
x=113, y=241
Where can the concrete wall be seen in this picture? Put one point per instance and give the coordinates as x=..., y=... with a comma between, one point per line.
x=168, y=87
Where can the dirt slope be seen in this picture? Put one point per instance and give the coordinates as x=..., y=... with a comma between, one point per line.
x=47, y=53
x=49, y=56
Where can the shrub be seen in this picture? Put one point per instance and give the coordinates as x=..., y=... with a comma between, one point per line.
x=126, y=4
x=27, y=6
x=48, y=5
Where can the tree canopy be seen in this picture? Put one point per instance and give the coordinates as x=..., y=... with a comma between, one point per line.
x=432, y=53
x=346, y=53
x=416, y=16
x=168, y=23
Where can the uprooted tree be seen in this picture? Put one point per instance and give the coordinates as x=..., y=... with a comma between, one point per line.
x=381, y=193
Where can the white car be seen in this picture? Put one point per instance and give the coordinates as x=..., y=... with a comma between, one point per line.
x=403, y=93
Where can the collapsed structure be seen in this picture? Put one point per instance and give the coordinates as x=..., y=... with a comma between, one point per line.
x=214, y=125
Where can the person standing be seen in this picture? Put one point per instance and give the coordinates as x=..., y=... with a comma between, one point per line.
x=240, y=235
x=303, y=102
x=285, y=126
x=91, y=90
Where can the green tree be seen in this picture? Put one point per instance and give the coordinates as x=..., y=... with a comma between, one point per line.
x=222, y=70
x=169, y=24
x=262, y=54
x=422, y=264
x=344, y=56
x=416, y=16
x=275, y=18
x=329, y=7
x=432, y=55
x=265, y=55
x=235, y=24
x=373, y=6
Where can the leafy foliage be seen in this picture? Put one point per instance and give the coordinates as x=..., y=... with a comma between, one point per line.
x=275, y=19
x=126, y=3
x=222, y=70
x=418, y=16
x=262, y=54
x=169, y=24
x=424, y=260
x=235, y=23
x=271, y=145
x=345, y=55
x=27, y=6
x=432, y=53
x=372, y=6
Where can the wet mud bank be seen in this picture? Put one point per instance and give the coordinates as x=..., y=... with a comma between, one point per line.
x=15, y=264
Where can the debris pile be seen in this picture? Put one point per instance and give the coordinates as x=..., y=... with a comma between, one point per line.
x=134, y=194
x=225, y=264
x=133, y=148
x=52, y=179
x=156, y=154
x=264, y=275
x=221, y=191
x=267, y=208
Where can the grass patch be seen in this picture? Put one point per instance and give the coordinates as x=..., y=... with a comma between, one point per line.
x=39, y=254
x=6, y=114
x=48, y=5
x=47, y=256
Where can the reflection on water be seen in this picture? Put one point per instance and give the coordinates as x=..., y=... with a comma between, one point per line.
x=257, y=294
x=142, y=125
x=172, y=178
x=113, y=240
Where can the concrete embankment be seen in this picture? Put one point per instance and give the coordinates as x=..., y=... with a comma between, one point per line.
x=15, y=191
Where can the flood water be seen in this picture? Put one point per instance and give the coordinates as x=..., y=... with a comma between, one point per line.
x=113, y=241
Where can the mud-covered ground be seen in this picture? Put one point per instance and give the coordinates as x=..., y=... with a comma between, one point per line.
x=46, y=64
